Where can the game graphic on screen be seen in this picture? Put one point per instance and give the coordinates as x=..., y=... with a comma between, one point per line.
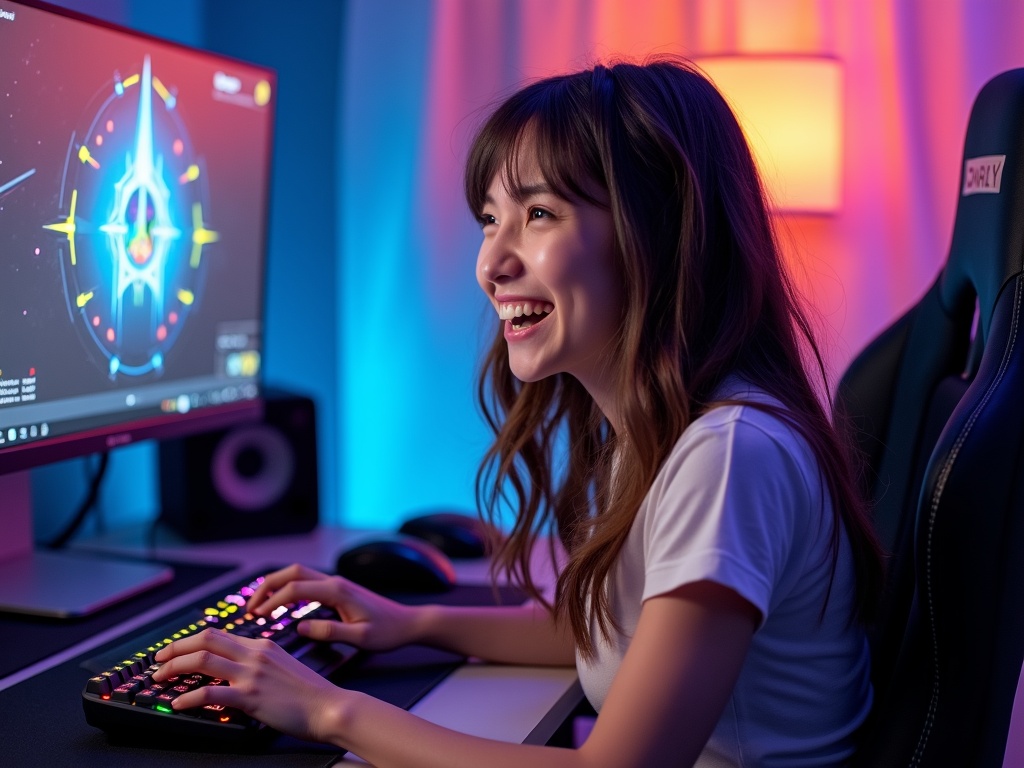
x=133, y=186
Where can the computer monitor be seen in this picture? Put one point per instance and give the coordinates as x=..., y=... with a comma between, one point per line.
x=134, y=185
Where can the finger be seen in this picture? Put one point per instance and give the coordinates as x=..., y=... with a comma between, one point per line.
x=291, y=593
x=185, y=645
x=224, y=695
x=332, y=591
x=278, y=580
x=331, y=631
x=216, y=640
x=204, y=662
x=274, y=581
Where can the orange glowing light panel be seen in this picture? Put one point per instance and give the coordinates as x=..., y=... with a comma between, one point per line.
x=791, y=110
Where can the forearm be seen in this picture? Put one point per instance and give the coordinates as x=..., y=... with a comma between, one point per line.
x=511, y=635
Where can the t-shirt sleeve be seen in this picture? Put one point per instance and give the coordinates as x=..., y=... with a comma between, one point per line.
x=725, y=508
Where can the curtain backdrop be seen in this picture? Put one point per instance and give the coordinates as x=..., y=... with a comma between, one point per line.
x=417, y=77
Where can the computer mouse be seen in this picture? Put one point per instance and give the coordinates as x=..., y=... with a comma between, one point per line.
x=460, y=536
x=397, y=564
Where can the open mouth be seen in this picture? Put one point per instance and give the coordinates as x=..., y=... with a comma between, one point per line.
x=525, y=314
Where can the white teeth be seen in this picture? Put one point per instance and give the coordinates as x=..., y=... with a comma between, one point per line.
x=527, y=308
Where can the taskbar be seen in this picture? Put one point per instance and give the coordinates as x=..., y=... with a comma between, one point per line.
x=131, y=409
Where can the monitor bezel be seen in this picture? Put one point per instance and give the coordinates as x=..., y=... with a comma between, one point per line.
x=47, y=451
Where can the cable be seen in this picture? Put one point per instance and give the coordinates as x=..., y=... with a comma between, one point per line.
x=88, y=503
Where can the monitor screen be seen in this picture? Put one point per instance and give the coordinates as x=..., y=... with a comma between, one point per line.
x=134, y=184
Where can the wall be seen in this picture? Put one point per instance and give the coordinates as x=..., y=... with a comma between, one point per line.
x=417, y=78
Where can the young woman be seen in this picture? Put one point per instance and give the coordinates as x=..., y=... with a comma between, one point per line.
x=648, y=395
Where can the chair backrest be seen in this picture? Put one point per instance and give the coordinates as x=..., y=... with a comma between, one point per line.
x=937, y=406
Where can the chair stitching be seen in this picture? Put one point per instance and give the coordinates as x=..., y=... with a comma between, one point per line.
x=933, y=511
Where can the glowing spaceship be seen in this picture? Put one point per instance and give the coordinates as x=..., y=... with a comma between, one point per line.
x=140, y=229
x=134, y=228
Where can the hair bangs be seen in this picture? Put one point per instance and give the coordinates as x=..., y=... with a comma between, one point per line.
x=547, y=123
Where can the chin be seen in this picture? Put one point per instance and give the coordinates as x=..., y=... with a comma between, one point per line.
x=532, y=379
x=528, y=374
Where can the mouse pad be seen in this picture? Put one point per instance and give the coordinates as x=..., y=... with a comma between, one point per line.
x=46, y=710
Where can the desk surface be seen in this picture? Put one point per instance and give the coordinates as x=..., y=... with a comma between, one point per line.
x=507, y=703
x=516, y=704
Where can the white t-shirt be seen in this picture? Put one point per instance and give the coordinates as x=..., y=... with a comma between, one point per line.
x=740, y=501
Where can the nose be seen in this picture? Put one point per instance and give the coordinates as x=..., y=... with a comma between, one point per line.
x=498, y=261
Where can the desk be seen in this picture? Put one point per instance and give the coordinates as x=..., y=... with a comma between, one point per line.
x=515, y=704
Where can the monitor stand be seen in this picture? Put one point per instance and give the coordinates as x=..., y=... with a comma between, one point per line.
x=58, y=583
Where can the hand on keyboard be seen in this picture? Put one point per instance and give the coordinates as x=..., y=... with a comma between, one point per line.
x=262, y=680
x=368, y=621
x=133, y=697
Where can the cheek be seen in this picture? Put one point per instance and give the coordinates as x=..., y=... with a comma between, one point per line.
x=615, y=299
x=605, y=284
x=608, y=303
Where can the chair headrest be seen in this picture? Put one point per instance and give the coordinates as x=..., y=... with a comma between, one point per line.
x=987, y=249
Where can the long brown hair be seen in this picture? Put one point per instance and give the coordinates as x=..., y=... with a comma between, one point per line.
x=707, y=295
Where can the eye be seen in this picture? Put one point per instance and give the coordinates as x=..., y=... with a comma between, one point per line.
x=539, y=213
x=486, y=219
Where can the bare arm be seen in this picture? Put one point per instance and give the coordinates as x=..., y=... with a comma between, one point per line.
x=667, y=696
x=525, y=634
x=511, y=634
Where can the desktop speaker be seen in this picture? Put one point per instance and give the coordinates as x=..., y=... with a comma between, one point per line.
x=257, y=479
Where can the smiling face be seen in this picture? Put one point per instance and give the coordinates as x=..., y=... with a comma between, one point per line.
x=547, y=264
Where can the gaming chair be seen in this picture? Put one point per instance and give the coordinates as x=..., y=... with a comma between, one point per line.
x=936, y=403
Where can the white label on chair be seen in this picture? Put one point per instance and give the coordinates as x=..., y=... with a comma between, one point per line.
x=983, y=174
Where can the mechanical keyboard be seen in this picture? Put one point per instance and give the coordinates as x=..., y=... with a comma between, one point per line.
x=124, y=701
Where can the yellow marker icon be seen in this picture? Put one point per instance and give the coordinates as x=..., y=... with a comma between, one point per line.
x=161, y=89
x=261, y=94
x=68, y=226
x=200, y=235
x=191, y=174
x=86, y=156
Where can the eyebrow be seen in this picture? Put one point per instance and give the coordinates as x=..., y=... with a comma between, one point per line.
x=525, y=192
x=534, y=189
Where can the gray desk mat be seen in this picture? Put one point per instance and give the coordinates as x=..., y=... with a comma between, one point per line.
x=24, y=640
